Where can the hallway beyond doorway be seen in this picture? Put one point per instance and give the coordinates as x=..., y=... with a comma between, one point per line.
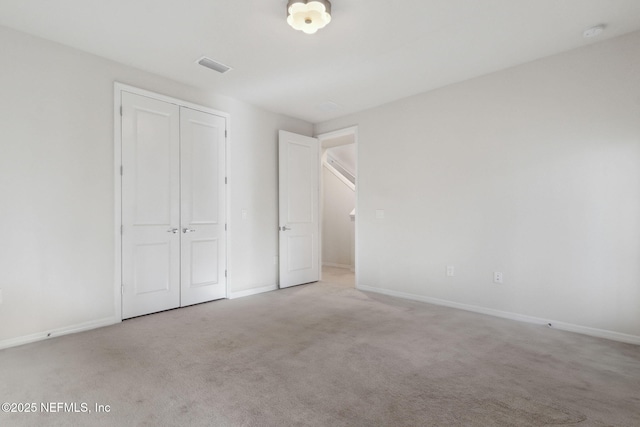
x=340, y=276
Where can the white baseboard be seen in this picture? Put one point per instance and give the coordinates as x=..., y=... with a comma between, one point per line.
x=594, y=332
x=599, y=333
x=72, y=329
x=252, y=291
x=333, y=264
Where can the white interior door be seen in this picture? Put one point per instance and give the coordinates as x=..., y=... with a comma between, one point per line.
x=299, y=160
x=150, y=205
x=202, y=206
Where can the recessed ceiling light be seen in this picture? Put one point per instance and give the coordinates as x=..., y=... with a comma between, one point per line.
x=214, y=65
x=593, y=31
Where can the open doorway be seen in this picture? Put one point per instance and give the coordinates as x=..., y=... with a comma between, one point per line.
x=338, y=206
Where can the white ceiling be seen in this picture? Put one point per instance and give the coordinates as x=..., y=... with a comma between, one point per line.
x=372, y=52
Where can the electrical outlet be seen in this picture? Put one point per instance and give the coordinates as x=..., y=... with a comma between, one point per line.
x=451, y=271
x=497, y=277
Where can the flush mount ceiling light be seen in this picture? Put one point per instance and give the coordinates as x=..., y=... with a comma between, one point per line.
x=308, y=15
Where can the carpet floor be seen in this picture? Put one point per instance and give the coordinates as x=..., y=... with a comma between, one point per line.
x=323, y=354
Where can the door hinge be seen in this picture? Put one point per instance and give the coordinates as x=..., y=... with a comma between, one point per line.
x=121, y=110
x=225, y=133
x=122, y=289
x=121, y=229
x=225, y=180
x=225, y=227
x=225, y=273
x=121, y=170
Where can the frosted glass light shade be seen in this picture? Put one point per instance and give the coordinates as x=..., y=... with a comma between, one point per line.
x=308, y=15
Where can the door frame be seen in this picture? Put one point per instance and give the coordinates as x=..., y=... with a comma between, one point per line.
x=348, y=131
x=118, y=88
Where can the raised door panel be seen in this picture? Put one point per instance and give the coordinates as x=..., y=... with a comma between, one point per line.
x=300, y=253
x=300, y=200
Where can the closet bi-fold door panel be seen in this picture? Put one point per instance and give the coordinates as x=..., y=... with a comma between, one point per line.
x=202, y=158
x=150, y=205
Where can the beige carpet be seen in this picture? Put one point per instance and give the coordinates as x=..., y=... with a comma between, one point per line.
x=324, y=355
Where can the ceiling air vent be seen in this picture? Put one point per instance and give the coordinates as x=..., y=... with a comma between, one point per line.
x=214, y=65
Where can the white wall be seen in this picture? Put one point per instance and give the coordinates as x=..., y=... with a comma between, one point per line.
x=533, y=171
x=338, y=201
x=56, y=185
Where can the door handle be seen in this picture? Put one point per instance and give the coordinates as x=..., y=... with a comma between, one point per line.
x=284, y=228
x=173, y=230
x=188, y=230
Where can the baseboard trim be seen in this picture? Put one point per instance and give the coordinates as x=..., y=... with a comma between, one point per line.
x=585, y=330
x=594, y=332
x=335, y=265
x=52, y=333
x=252, y=291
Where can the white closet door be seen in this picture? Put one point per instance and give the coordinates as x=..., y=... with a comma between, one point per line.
x=150, y=205
x=202, y=145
